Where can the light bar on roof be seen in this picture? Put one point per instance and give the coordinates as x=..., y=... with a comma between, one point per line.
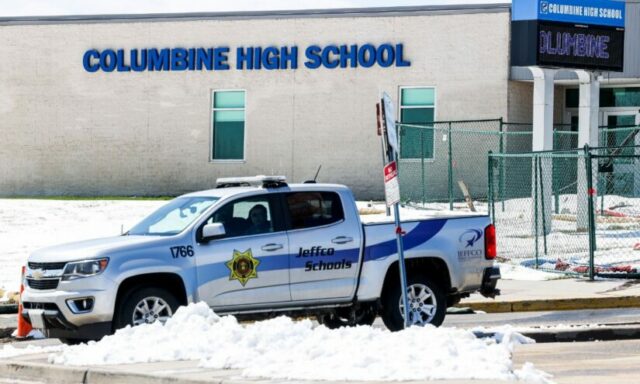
x=259, y=180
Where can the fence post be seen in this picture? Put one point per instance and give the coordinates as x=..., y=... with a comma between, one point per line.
x=602, y=184
x=556, y=189
x=501, y=170
x=535, y=204
x=602, y=188
x=422, y=164
x=592, y=226
x=490, y=206
x=450, y=168
x=544, y=222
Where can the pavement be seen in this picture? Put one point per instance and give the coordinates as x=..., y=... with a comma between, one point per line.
x=558, y=295
x=35, y=369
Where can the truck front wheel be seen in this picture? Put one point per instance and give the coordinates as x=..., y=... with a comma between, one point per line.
x=427, y=304
x=146, y=306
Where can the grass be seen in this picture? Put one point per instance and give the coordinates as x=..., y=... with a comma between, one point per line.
x=65, y=197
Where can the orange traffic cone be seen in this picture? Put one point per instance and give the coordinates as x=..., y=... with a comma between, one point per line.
x=24, y=327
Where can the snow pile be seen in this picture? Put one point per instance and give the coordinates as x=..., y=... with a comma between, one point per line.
x=283, y=349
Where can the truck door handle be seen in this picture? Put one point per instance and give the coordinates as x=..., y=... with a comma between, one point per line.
x=271, y=247
x=342, y=240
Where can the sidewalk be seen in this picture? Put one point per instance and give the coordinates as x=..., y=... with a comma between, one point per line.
x=35, y=367
x=590, y=363
x=557, y=295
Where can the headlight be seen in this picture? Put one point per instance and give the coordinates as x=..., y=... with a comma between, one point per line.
x=85, y=268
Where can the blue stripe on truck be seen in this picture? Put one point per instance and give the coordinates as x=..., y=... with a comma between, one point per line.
x=419, y=235
x=213, y=271
x=422, y=233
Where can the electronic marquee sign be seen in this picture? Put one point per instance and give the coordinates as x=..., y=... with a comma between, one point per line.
x=582, y=34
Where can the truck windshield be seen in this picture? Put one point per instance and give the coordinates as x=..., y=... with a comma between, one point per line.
x=173, y=217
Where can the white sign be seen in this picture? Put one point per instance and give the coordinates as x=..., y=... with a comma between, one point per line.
x=391, y=185
x=390, y=121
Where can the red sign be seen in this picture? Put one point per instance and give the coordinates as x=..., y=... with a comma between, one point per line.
x=391, y=185
x=390, y=171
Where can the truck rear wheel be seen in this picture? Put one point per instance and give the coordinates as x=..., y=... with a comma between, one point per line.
x=146, y=306
x=427, y=304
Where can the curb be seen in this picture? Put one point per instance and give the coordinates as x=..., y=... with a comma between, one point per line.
x=35, y=372
x=68, y=375
x=591, y=334
x=555, y=304
x=602, y=333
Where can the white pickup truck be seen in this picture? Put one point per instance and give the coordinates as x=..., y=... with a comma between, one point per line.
x=257, y=251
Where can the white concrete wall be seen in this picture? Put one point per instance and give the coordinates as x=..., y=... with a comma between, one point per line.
x=521, y=102
x=66, y=131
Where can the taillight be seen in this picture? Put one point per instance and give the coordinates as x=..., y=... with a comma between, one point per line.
x=490, y=248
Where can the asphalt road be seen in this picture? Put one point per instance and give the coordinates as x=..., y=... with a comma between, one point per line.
x=585, y=363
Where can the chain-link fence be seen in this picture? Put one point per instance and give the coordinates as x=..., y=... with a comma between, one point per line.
x=441, y=163
x=542, y=213
x=435, y=156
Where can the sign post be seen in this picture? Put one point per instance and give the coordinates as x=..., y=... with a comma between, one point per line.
x=392, y=189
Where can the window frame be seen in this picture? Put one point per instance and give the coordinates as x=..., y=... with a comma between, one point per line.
x=212, y=111
x=399, y=114
x=287, y=213
x=279, y=224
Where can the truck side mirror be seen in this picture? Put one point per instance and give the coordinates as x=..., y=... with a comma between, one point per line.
x=212, y=231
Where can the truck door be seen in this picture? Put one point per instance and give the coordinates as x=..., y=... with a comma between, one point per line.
x=249, y=265
x=324, y=246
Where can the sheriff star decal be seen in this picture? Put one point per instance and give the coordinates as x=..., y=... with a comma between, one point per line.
x=243, y=266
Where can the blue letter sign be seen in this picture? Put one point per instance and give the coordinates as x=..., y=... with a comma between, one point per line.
x=246, y=58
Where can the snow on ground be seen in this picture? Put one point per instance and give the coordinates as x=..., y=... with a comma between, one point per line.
x=284, y=349
x=617, y=233
x=29, y=224
x=565, y=248
x=510, y=271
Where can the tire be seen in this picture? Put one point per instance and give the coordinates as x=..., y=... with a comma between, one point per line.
x=420, y=313
x=161, y=305
x=334, y=321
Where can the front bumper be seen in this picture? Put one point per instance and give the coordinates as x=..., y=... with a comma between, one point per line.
x=49, y=319
x=49, y=310
x=490, y=281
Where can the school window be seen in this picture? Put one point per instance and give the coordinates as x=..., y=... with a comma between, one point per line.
x=417, y=107
x=228, y=125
